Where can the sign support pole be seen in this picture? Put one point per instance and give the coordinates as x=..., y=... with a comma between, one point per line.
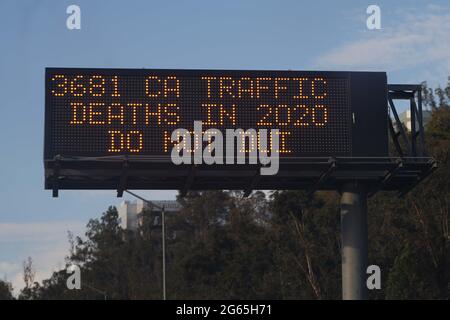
x=354, y=240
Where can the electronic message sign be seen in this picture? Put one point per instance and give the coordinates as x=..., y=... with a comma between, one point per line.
x=92, y=113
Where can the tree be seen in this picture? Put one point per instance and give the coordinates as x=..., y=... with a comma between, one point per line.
x=415, y=264
x=6, y=290
x=305, y=228
x=30, y=291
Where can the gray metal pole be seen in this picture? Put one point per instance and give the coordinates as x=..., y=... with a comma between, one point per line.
x=354, y=241
x=163, y=236
x=163, y=232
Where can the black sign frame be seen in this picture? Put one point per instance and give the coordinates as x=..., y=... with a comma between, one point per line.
x=368, y=160
x=367, y=96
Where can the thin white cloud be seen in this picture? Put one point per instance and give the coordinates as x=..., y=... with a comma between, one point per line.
x=7, y=267
x=38, y=231
x=420, y=41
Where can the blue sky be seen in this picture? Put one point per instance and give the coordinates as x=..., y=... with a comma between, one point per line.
x=412, y=46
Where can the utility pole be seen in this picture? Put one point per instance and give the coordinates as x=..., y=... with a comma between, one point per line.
x=354, y=240
x=163, y=236
x=163, y=231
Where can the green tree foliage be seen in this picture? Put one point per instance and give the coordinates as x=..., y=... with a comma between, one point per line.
x=30, y=291
x=285, y=246
x=409, y=237
x=6, y=290
x=306, y=237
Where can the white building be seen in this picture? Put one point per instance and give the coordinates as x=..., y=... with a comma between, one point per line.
x=130, y=212
x=405, y=118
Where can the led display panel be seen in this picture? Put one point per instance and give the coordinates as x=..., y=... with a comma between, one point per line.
x=105, y=112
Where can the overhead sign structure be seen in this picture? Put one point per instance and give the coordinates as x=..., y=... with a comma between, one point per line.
x=112, y=129
x=98, y=118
